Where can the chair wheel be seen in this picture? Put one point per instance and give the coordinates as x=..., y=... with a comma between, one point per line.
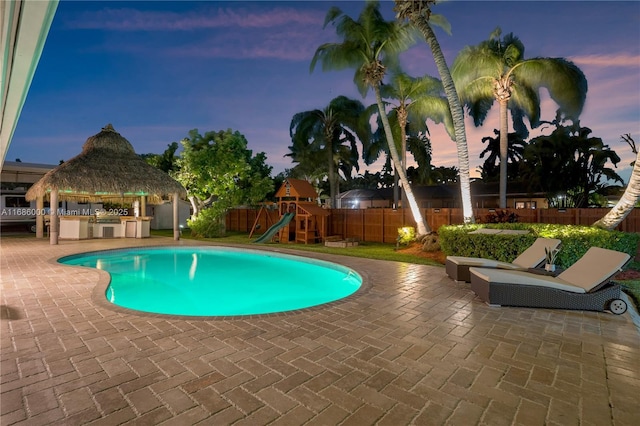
x=618, y=306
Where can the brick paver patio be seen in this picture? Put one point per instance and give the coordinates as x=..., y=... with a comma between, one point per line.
x=412, y=347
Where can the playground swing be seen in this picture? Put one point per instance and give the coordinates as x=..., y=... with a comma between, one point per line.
x=300, y=218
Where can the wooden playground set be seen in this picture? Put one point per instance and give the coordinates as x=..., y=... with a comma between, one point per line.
x=301, y=219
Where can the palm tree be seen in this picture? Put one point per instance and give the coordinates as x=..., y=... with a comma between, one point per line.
x=515, y=155
x=416, y=142
x=418, y=12
x=328, y=130
x=417, y=99
x=308, y=166
x=367, y=45
x=495, y=70
x=631, y=194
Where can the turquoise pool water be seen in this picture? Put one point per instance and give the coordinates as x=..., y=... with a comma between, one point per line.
x=214, y=281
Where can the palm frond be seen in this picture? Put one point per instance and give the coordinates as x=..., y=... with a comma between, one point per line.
x=526, y=101
x=519, y=127
x=420, y=148
x=474, y=63
x=336, y=57
x=566, y=83
x=435, y=108
x=441, y=22
x=332, y=14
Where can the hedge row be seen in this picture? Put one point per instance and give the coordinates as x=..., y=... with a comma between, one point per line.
x=455, y=240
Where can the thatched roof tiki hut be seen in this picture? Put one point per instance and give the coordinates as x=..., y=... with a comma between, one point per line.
x=107, y=170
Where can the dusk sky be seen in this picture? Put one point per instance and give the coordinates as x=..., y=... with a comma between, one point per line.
x=157, y=69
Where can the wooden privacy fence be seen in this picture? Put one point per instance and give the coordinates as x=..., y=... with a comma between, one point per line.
x=381, y=225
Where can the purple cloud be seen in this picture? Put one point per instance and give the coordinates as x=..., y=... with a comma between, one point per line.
x=127, y=19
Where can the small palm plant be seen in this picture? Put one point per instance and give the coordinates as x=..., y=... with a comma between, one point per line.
x=550, y=258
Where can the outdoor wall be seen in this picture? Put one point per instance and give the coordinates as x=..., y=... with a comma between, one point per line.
x=162, y=214
x=381, y=225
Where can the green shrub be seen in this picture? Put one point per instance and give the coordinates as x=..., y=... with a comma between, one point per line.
x=455, y=240
x=406, y=235
x=208, y=224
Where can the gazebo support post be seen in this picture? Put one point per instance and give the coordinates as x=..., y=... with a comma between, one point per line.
x=39, y=217
x=143, y=206
x=176, y=219
x=53, y=217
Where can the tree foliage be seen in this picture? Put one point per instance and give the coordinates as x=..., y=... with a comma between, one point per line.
x=219, y=172
x=165, y=161
x=490, y=169
x=326, y=140
x=569, y=163
x=433, y=175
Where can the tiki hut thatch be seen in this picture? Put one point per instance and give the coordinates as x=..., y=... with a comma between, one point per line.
x=107, y=169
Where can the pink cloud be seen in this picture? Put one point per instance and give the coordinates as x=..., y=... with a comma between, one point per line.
x=611, y=60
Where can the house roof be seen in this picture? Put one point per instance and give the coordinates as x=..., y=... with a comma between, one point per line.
x=27, y=173
x=25, y=26
x=362, y=194
x=445, y=192
x=514, y=189
x=420, y=192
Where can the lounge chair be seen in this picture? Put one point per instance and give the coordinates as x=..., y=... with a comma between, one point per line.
x=457, y=267
x=585, y=285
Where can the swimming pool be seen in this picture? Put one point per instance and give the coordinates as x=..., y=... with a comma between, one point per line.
x=217, y=281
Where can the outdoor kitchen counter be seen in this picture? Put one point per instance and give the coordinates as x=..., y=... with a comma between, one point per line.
x=136, y=227
x=86, y=227
x=76, y=227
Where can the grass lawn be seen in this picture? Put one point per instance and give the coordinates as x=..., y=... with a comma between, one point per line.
x=382, y=251
x=367, y=250
x=632, y=288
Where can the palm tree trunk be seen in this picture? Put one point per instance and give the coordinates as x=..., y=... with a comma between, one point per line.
x=396, y=189
x=402, y=120
x=332, y=175
x=421, y=224
x=456, y=113
x=504, y=146
x=403, y=160
x=626, y=203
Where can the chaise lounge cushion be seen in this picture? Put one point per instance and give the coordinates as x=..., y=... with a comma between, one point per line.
x=595, y=268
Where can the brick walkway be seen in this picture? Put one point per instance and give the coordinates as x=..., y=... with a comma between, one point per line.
x=413, y=347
